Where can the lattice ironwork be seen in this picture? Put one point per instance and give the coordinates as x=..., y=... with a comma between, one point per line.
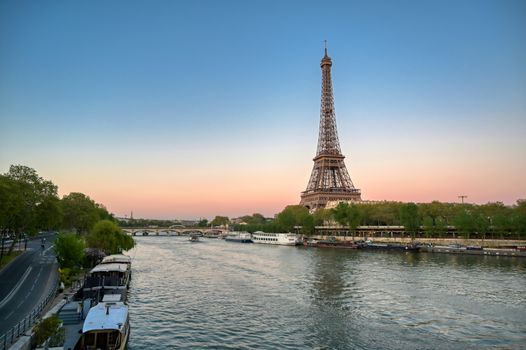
x=329, y=179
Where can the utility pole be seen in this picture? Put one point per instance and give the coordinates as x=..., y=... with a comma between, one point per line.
x=462, y=197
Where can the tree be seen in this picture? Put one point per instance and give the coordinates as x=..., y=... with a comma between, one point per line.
x=340, y=213
x=295, y=215
x=348, y=216
x=354, y=217
x=220, y=221
x=429, y=227
x=409, y=218
x=322, y=216
x=109, y=237
x=42, y=188
x=465, y=222
x=80, y=212
x=22, y=192
x=202, y=223
x=70, y=250
x=519, y=217
x=49, y=213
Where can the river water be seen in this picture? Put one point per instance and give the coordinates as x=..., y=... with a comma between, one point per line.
x=222, y=295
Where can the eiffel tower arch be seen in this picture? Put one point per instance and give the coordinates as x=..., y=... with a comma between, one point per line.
x=329, y=180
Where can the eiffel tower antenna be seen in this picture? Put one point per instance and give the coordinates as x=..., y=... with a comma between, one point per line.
x=329, y=180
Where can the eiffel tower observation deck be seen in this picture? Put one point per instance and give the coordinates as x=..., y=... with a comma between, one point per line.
x=329, y=180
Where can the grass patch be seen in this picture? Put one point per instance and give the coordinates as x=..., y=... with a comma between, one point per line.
x=6, y=259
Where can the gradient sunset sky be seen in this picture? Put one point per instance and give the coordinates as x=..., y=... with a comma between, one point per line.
x=188, y=109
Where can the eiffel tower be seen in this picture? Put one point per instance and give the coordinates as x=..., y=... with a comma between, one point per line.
x=329, y=180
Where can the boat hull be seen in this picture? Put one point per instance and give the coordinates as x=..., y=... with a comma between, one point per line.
x=238, y=240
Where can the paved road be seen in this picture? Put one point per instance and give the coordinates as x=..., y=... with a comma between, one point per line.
x=26, y=282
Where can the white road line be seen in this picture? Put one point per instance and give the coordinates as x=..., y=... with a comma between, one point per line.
x=16, y=288
x=8, y=315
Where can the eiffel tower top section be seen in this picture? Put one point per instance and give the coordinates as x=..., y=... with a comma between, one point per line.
x=328, y=143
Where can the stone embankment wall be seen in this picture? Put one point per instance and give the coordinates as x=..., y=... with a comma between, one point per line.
x=488, y=243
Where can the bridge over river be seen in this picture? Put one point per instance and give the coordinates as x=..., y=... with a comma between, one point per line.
x=169, y=231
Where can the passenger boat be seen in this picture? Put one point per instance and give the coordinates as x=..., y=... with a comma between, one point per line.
x=107, y=327
x=239, y=237
x=276, y=238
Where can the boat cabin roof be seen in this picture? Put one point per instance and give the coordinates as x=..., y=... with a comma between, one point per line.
x=109, y=268
x=106, y=316
x=116, y=258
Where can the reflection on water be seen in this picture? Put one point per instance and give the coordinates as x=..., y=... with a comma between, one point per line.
x=223, y=295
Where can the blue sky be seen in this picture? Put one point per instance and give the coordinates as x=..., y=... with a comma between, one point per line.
x=212, y=107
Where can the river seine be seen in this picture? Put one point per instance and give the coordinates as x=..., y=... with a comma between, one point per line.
x=222, y=295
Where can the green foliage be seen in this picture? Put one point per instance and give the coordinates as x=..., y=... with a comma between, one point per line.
x=295, y=215
x=109, y=237
x=519, y=218
x=465, y=222
x=68, y=275
x=49, y=213
x=409, y=218
x=70, y=250
x=80, y=212
x=322, y=216
x=24, y=197
x=348, y=215
x=202, y=223
x=27, y=204
x=46, y=328
x=220, y=221
x=340, y=213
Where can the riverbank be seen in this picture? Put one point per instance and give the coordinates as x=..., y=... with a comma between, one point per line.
x=485, y=243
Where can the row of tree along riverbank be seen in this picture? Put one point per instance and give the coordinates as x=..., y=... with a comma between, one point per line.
x=29, y=204
x=435, y=219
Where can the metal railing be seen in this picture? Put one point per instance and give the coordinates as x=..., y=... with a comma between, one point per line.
x=9, y=337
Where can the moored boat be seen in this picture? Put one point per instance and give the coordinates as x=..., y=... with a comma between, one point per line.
x=114, y=273
x=276, y=238
x=239, y=237
x=332, y=242
x=107, y=327
x=390, y=247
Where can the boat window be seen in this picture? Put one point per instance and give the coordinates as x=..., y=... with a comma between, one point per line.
x=113, y=339
x=102, y=340
x=89, y=339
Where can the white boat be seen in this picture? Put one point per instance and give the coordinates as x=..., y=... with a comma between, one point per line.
x=239, y=237
x=107, y=327
x=276, y=238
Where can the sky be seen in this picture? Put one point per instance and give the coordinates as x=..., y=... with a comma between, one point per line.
x=189, y=109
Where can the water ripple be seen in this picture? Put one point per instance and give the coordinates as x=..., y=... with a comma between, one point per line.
x=220, y=295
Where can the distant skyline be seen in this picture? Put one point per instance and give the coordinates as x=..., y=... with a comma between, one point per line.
x=195, y=109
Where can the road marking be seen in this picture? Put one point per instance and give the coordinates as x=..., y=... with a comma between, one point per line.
x=16, y=288
x=45, y=251
x=8, y=315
